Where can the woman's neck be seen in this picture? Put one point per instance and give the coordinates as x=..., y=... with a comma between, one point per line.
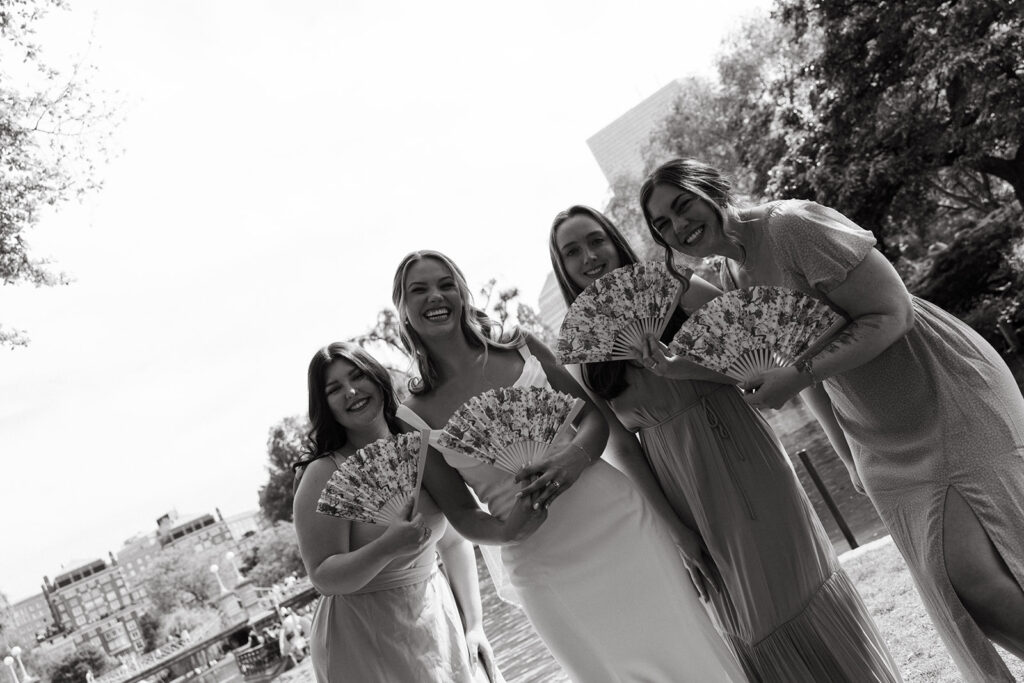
x=739, y=232
x=378, y=429
x=452, y=354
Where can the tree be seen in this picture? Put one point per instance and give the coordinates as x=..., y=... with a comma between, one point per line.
x=900, y=92
x=286, y=445
x=180, y=578
x=523, y=317
x=276, y=552
x=76, y=666
x=53, y=132
x=181, y=619
x=150, y=627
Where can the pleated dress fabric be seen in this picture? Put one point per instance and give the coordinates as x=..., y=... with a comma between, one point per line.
x=787, y=607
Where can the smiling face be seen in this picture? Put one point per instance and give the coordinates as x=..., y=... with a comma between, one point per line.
x=585, y=249
x=353, y=396
x=432, y=299
x=686, y=222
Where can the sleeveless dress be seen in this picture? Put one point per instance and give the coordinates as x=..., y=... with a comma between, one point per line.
x=601, y=580
x=789, y=610
x=938, y=409
x=403, y=625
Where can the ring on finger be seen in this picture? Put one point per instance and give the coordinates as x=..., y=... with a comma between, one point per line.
x=555, y=484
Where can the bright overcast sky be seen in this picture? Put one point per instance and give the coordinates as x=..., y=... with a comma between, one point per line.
x=279, y=160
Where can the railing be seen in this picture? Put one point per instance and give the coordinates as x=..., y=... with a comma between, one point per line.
x=139, y=663
x=260, y=663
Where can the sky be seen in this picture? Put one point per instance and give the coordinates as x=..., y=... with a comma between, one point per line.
x=276, y=161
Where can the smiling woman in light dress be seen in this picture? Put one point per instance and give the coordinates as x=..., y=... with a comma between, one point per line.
x=379, y=580
x=781, y=597
x=923, y=411
x=594, y=567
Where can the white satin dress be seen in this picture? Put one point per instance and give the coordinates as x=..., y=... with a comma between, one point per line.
x=601, y=580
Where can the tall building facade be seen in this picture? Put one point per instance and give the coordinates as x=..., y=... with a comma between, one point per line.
x=94, y=603
x=618, y=148
x=137, y=555
x=29, y=619
x=198, y=533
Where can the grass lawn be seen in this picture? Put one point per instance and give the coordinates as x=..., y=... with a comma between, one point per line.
x=882, y=579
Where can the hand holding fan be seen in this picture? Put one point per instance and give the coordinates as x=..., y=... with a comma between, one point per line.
x=373, y=483
x=610, y=319
x=510, y=427
x=747, y=331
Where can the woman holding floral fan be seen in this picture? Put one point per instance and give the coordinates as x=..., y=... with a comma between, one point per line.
x=594, y=569
x=934, y=419
x=373, y=578
x=781, y=598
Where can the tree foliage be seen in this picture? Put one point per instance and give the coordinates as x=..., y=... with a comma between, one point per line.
x=53, y=131
x=286, y=445
x=900, y=92
x=76, y=666
x=180, y=577
x=275, y=555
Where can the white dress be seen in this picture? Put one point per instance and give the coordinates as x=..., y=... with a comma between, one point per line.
x=601, y=580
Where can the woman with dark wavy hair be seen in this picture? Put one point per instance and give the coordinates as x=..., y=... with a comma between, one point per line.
x=377, y=579
x=780, y=596
x=923, y=411
x=592, y=565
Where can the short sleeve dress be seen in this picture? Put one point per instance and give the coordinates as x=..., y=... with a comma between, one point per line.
x=937, y=409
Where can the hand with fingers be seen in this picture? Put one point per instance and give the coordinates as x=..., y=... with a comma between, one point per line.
x=703, y=572
x=772, y=388
x=656, y=359
x=525, y=518
x=481, y=654
x=406, y=535
x=552, y=475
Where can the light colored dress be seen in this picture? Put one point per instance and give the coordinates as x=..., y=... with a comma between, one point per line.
x=787, y=607
x=937, y=409
x=403, y=625
x=600, y=580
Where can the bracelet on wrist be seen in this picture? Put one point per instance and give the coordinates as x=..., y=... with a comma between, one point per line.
x=807, y=367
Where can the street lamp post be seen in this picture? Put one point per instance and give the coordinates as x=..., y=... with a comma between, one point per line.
x=9, y=661
x=16, y=651
x=215, y=570
x=231, y=561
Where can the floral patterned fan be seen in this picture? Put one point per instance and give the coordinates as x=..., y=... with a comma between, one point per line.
x=611, y=317
x=373, y=483
x=747, y=331
x=509, y=427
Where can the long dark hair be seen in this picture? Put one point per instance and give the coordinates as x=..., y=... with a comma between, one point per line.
x=607, y=379
x=325, y=434
x=695, y=177
x=478, y=328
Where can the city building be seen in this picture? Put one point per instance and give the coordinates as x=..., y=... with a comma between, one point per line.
x=29, y=620
x=618, y=148
x=551, y=306
x=94, y=603
x=245, y=524
x=137, y=555
x=198, y=533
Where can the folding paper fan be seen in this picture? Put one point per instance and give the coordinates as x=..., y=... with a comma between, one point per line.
x=747, y=331
x=509, y=427
x=374, y=483
x=611, y=317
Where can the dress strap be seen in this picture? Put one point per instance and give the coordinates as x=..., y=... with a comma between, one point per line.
x=524, y=351
x=406, y=414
